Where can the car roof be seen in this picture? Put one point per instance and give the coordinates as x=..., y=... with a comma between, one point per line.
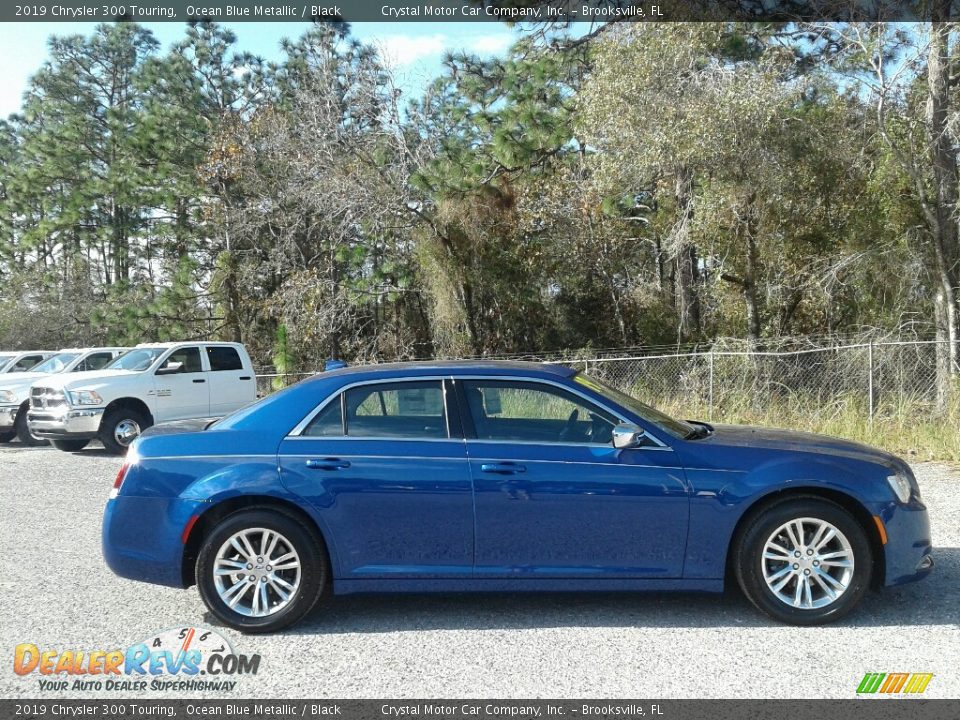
x=187, y=342
x=91, y=349
x=452, y=367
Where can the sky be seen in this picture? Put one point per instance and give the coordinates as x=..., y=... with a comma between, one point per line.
x=414, y=50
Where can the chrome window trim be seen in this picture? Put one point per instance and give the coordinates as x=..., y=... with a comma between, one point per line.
x=444, y=458
x=580, y=462
x=217, y=456
x=446, y=411
x=297, y=432
x=372, y=438
x=437, y=458
x=568, y=444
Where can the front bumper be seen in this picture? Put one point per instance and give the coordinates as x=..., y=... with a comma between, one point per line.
x=8, y=416
x=65, y=423
x=909, y=551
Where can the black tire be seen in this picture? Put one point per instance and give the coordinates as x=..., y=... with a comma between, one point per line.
x=112, y=420
x=314, y=569
x=70, y=445
x=22, y=430
x=6, y=437
x=749, y=562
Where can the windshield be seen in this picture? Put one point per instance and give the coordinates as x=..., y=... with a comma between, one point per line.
x=5, y=360
x=679, y=428
x=55, y=364
x=136, y=360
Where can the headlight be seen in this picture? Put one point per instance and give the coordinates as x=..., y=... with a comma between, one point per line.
x=85, y=397
x=7, y=396
x=900, y=484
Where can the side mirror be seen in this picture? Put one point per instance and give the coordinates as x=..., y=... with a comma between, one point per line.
x=172, y=367
x=628, y=435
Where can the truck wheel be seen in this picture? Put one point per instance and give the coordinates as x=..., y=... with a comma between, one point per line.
x=70, y=445
x=22, y=430
x=121, y=427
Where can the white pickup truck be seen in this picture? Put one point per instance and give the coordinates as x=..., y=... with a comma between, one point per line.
x=153, y=383
x=15, y=386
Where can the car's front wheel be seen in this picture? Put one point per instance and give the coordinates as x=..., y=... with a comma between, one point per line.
x=261, y=570
x=805, y=561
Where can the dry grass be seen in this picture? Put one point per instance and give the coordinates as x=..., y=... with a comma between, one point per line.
x=911, y=429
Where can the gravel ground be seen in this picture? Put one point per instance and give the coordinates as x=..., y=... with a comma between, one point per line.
x=57, y=593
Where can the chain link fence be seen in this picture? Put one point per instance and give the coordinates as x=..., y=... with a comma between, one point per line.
x=268, y=382
x=868, y=378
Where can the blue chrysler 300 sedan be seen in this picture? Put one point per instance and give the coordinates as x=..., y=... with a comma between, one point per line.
x=469, y=476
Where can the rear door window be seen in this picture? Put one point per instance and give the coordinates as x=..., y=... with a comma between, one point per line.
x=328, y=422
x=404, y=410
x=397, y=410
x=224, y=358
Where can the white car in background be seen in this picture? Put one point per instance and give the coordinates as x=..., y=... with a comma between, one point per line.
x=15, y=387
x=22, y=360
x=153, y=383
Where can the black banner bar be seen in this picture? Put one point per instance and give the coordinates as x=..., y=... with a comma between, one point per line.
x=541, y=11
x=860, y=709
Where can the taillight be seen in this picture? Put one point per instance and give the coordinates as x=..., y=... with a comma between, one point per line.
x=121, y=474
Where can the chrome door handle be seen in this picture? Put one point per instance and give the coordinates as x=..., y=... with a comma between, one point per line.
x=507, y=468
x=328, y=464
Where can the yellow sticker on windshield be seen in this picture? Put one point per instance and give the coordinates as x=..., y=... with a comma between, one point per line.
x=587, y=382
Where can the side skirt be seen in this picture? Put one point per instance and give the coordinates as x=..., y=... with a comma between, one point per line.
x=427, y=585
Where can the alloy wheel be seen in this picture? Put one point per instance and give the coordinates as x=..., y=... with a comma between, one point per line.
x=807, y=563
x=256, y=572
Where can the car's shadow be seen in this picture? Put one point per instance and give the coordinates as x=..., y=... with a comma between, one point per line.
x=98, y=452
x=932, y=601
x=95, y=449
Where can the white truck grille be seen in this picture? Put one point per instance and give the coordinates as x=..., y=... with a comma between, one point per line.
x=42, y=398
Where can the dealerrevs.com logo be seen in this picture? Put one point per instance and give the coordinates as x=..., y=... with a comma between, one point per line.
x=894, y=683
x=188, y=659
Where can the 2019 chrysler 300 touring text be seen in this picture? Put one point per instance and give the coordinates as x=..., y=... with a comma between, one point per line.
x=470, y=476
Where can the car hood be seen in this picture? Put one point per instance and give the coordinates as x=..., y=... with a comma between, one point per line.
x=61, y=381
x=796, y=441
x=17, y=380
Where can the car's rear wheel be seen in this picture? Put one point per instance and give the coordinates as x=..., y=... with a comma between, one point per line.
x=261, y=570
x=120, y=427
x=805, y=561
x=22, y=430
x=70, y=445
